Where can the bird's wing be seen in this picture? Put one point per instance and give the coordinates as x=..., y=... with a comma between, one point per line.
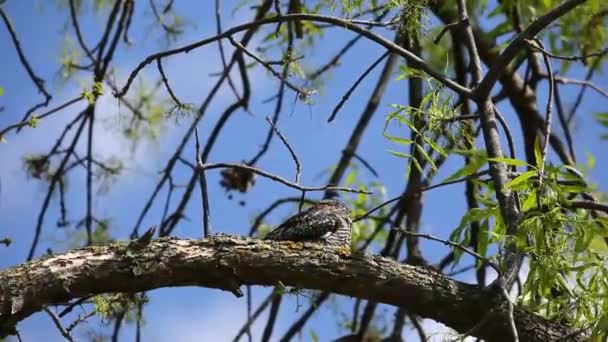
x=307, y=225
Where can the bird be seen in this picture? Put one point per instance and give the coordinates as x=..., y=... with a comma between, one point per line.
x=327, y=222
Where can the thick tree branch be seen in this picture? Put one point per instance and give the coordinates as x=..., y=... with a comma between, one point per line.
x=225, y=263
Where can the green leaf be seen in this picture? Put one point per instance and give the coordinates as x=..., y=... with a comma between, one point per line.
x=400, y=154
x=538, y=154
x=529, y=202
x=469, y=169
x=98, y=88
x=590, y=160
x=435, y=146
x=33, y=121
x=428, y=158
x=416, y=164
x=510, y=161
x=521, y=179
x=350, y=178
x=561, y=281
x=1, y=91
x=427, y=98
x=402, y=141
x=474, y=214
x=483, y=241
x=314, y=336
x=598, y=244
x=602, y=118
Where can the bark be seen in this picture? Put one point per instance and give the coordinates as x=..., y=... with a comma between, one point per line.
x=226, y=262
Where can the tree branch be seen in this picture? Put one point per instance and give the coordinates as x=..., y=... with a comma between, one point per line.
x=225, y=262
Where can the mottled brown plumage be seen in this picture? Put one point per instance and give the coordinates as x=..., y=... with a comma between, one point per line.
x=327, y=222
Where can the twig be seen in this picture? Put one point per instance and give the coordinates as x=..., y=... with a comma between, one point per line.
x=355, y=85
x=249, y=336
x=335, y=60
x=283, y=180
x=55, y=178
x=203, y=185
x=294, y=156
x=242, y=102
x=79, y=320
x=28, y=122
x=89, y=175
x=299, y=323
x=584, y=83
x=218, y=30
x=548, y=113
x=253, y=317
x=272, y=316
x=370, y=108
x=30, y=72
x=587, y=204
x=511, y=255
x=58, y=324
x=534, y=43
x=71, y=307
x=508, y=135
x=420, y=63
x=452, y=244
x=265, y=65
x=505, y=294
x=79, y=37
x=423, y=189
x=166, y=82
x=445, y=29
x=366, y=164
x=561, y=115
x=277, y=112
x=485, y=86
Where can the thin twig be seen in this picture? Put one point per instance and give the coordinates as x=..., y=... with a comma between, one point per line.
x=294, y=156
x=561, y=115
x=445, y=29
x=587, y=204
x=420, y=63
x=423, y=189
x=255, y=315
x=203, y=185
x=366, y=164
x=272, y=316
x=277, y=112
x=534, y=43
x=265, y=65
x=80, y=319
x=58, y=324
x=452, y=244
x=584, y=83
x=512, y=326
x=55, y=179
x=39, y=82
x=355, y=85
x=249, y=336
x=79, y=37
x=540, y=23
x=283, y=180
x=166, y=82
x=29, y=121
x=548, y=113
x=218, y=30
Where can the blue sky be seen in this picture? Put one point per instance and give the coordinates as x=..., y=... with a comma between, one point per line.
x=197, y=312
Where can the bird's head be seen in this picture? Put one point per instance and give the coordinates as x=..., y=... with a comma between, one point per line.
x=334, y=204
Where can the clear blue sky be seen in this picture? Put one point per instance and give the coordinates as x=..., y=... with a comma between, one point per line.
x=189, y=314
